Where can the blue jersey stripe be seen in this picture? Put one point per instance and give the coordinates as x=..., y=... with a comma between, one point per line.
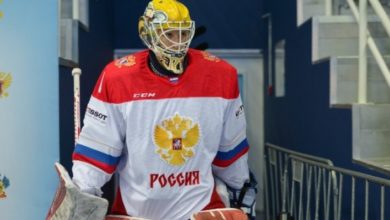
x=96, y=155
x=232, y=153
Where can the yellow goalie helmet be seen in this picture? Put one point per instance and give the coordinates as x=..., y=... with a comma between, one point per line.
x=167, y=29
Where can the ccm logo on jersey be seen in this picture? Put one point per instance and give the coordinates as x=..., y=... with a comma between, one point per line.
x=144, y=95
x=96, y=115
x=181, y=179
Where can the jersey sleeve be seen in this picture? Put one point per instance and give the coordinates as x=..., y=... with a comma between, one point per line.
x=99, y=148
x=231, y=161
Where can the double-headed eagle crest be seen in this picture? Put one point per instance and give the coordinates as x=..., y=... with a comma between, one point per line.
x=176, y=138
x=5, y=82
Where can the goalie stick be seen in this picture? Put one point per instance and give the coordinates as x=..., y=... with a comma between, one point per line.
x=76, y=72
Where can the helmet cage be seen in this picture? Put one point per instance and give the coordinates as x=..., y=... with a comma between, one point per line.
x=164, y=44
x=167, y=34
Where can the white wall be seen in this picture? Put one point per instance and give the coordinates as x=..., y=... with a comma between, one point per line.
x=29, y=120
x=249, y=63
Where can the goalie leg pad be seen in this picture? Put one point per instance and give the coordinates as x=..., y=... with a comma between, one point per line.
x=123, y=217
x=220, y=214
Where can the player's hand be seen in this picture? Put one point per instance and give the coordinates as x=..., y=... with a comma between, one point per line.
x=245, y=198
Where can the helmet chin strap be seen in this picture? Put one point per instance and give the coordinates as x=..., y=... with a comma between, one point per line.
x=174, y=65
x=157, y=65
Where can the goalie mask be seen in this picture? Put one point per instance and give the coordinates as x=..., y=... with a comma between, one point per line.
x=167, y=29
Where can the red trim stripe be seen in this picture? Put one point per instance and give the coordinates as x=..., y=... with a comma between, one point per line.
x=118, y=208
x=215, y=201
x=119, y=85
x=103, y=166
x=226, y=163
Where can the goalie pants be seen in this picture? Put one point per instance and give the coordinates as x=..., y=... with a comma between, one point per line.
x=118, y=207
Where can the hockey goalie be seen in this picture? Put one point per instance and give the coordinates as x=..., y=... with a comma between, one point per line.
x=169, y=121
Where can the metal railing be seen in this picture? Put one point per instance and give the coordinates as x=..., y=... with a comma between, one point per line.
x=370, y=184
x=308, y=187
x=280, y=183
x=365, y=39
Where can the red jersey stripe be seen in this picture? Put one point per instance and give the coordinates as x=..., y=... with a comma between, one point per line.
x=202, y=78
x=105, y=167
x=226, y=163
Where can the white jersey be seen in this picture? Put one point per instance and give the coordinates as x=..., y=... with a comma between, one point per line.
x=166, y=139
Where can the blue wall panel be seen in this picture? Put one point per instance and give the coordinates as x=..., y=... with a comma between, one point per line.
x=303, y=120
x=229, y=24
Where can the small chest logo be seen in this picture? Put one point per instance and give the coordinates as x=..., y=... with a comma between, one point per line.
x=210, y=57
x=125, y=61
